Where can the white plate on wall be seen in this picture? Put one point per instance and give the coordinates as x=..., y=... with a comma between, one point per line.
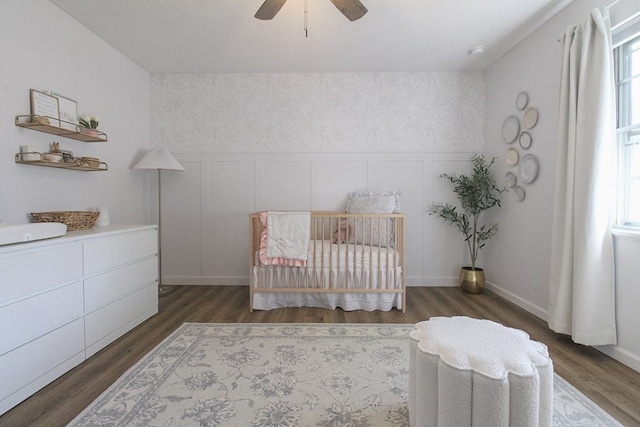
x=510, y=129
x=530, y=117
x=525, y=140
x=522, y=100
x=510, y=180
x=518, y=193
x=512, y=157
x=528, y=168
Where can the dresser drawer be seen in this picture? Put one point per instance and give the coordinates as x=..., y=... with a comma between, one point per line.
x=104, y=254
x=34, y=364
x=113, y=320
x=31, y=272
x=105, y=288
x=30, y=318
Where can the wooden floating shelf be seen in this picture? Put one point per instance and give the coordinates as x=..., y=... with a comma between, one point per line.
x=60, y=165
x=72, y=131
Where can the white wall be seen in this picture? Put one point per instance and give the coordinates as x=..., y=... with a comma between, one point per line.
x=252, y=142
x=520, y=255
x=43, y=48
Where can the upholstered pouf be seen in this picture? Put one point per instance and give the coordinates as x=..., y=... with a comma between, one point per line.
x=472, y=372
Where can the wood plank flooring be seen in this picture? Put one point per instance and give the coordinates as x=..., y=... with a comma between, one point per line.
x=613, y=386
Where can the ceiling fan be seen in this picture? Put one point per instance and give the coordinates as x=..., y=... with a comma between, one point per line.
x=352, y=9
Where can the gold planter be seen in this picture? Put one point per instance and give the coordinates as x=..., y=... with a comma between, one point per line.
x=472, y=281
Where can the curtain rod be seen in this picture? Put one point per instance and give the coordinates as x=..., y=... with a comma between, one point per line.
x=606, y=17
x=611, y=5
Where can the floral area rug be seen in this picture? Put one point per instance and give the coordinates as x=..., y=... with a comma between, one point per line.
x=207, y=374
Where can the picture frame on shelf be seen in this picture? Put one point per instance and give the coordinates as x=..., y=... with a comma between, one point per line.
x=67, y=112
x=46, y=106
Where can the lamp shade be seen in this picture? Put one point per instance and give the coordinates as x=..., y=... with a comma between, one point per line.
x=159, y=159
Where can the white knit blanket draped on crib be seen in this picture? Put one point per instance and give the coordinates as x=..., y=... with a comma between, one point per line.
x=288, y=234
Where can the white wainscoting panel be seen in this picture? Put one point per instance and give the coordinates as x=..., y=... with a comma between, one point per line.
x=330, y=178
x=205, y=236
x=283, y=185
x=230, y=194
x=181, y=228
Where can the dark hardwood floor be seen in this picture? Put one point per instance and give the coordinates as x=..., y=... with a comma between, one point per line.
x=613, y=386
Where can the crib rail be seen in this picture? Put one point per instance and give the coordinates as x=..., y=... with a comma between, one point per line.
x=348, y=253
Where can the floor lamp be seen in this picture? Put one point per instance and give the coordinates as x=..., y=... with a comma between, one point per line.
x=159, y=159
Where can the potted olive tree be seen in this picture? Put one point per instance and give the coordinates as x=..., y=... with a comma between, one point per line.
x=476, y=194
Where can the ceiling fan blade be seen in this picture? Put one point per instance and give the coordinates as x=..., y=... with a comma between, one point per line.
x=269, y=9
x=352, y=9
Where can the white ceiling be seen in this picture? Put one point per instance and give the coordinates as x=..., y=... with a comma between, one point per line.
x=208, y=36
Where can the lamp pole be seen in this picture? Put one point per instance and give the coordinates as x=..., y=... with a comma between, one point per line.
x=159, y=159
x=160, y=288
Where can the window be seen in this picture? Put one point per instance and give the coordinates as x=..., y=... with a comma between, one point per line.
x=627, y=59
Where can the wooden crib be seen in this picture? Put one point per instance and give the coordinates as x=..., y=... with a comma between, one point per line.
x=354, y=261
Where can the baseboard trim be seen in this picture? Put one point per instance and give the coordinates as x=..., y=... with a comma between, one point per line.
x=615, y=352
x=520, y=302
x=621, y=355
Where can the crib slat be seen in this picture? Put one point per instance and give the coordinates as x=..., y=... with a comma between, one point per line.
x=315, y=251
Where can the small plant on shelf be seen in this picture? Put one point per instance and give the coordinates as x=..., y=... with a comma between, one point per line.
x=90, y=122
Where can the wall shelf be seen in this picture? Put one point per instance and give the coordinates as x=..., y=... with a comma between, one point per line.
x=75, y=165
x=70, y=130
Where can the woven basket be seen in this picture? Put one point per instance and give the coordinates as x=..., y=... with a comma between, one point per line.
x=74, y=220
x=90, y=161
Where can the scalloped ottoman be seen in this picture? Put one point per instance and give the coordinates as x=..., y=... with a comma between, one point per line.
x=473, y=372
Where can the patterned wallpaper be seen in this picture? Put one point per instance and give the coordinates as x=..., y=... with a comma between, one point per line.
x=316, y=112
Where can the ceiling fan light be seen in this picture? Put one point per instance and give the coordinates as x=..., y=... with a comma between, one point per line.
x=476, y=50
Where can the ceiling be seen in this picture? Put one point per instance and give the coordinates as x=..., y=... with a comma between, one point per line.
x=218, y=36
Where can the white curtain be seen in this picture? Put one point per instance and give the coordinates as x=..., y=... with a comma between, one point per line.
x=582, y=284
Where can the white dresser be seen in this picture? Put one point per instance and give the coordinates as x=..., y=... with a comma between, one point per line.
x=64, y=299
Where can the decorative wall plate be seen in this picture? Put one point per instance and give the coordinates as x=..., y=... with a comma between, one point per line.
x=525, y=140
x=510, y=129
x=528, y=168
x=530, y=117
x=522, y=100
x=510, y=180
x=512, y=157
x=518, y=193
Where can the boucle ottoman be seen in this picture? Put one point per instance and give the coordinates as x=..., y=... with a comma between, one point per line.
x=472, y=372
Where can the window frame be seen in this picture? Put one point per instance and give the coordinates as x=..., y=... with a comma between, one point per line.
x=627, y=132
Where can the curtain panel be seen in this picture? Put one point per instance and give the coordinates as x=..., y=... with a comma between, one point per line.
x=582, y=282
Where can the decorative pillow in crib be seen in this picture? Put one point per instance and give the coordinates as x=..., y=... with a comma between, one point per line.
x=370, y=231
